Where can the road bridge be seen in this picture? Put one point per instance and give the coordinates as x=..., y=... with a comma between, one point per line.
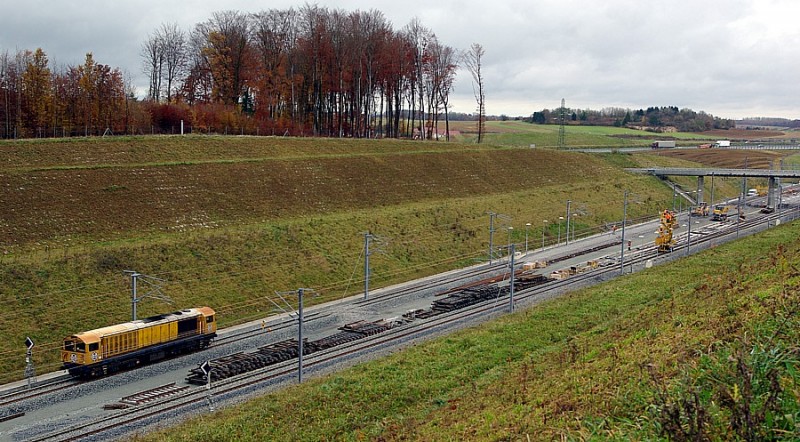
x=763, y=146
x=773, y=176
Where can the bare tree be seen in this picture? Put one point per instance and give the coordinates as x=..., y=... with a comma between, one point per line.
x=374, y=27
x=165, y=59
x=153, y=64
x=5, y=84
x=418, y=37
x=441, y=68
x=472, y=60
x=176, y=58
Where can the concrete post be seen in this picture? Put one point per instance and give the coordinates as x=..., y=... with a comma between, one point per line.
x=700, y=180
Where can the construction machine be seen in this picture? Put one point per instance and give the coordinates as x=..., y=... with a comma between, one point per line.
x=720, y=213
x=700, y=210
x=664, y=240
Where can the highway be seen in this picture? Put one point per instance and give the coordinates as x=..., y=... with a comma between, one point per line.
x=39, y=416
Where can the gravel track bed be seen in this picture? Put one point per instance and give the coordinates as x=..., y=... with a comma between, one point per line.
x=340, y=314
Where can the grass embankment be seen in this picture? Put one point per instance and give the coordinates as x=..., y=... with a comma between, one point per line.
x=228, y=221
x=701, y=349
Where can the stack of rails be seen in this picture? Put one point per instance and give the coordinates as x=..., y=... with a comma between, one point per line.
x=239, y=363
x=282, y=351
x=474, y=295
x=367, y=328
x=467, y=297
x=471, y=294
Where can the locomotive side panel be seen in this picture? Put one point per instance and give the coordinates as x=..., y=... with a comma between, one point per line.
x=99, y=352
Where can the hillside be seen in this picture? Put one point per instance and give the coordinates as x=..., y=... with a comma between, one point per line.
x=110, y=190
x=224, y=220
x=704, y=348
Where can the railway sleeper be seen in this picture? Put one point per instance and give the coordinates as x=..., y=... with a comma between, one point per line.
x=240, y=363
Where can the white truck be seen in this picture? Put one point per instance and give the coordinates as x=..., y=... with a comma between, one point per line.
x=723, y=143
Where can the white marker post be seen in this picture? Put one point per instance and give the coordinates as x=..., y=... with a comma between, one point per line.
x=206, y=368
x=30, y=371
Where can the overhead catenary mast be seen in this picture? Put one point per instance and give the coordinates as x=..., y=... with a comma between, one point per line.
x=561, y=121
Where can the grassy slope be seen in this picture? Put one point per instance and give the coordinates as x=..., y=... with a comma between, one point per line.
x=226, y=220
x=590, y=366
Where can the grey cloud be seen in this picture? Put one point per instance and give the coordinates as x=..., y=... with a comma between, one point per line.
x=730, y=58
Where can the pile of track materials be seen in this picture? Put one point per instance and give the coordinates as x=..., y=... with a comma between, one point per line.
x=585, y=251
x=349, y=332
x=467, y=297
x=366, y=328
x=456, y=299
x=238, y=363
x=486, y=290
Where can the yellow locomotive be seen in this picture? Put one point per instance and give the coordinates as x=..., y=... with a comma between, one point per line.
x=127, y=345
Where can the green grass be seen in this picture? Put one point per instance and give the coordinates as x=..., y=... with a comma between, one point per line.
x=792, y=161
x=222, y=230
x=521, y=134
x=221, y=234
x=605, y=363
x=43, y=154
x=231, y=268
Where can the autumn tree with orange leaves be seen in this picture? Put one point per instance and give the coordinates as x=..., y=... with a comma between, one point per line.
x=307, y=71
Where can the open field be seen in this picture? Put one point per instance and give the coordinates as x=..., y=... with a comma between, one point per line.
x=701, y=349
x=728, y=158
x=522, y=134
x=742, y=134
x=68, y=153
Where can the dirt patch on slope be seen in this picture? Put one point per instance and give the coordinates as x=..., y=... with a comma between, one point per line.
x=742, y=134
x=727, y=158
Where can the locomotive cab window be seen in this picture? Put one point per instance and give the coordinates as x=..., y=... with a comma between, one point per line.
x=80, y=347
x=94, y=346
x=210, y=319
x=69, y=345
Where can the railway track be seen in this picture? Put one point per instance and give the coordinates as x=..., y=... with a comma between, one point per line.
x=193, y=399
x=435, y=282
x=422, y=286
x=37, y=389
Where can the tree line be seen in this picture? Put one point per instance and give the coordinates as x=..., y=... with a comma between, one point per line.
x=654, y=119
x=37, y=101
x=769, y=122
x=306, y=71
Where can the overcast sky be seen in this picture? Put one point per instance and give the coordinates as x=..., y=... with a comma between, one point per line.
x=731, y=58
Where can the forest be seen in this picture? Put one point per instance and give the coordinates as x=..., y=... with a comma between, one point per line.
x=653, y=119
x=309, y=71
x=306, y=71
